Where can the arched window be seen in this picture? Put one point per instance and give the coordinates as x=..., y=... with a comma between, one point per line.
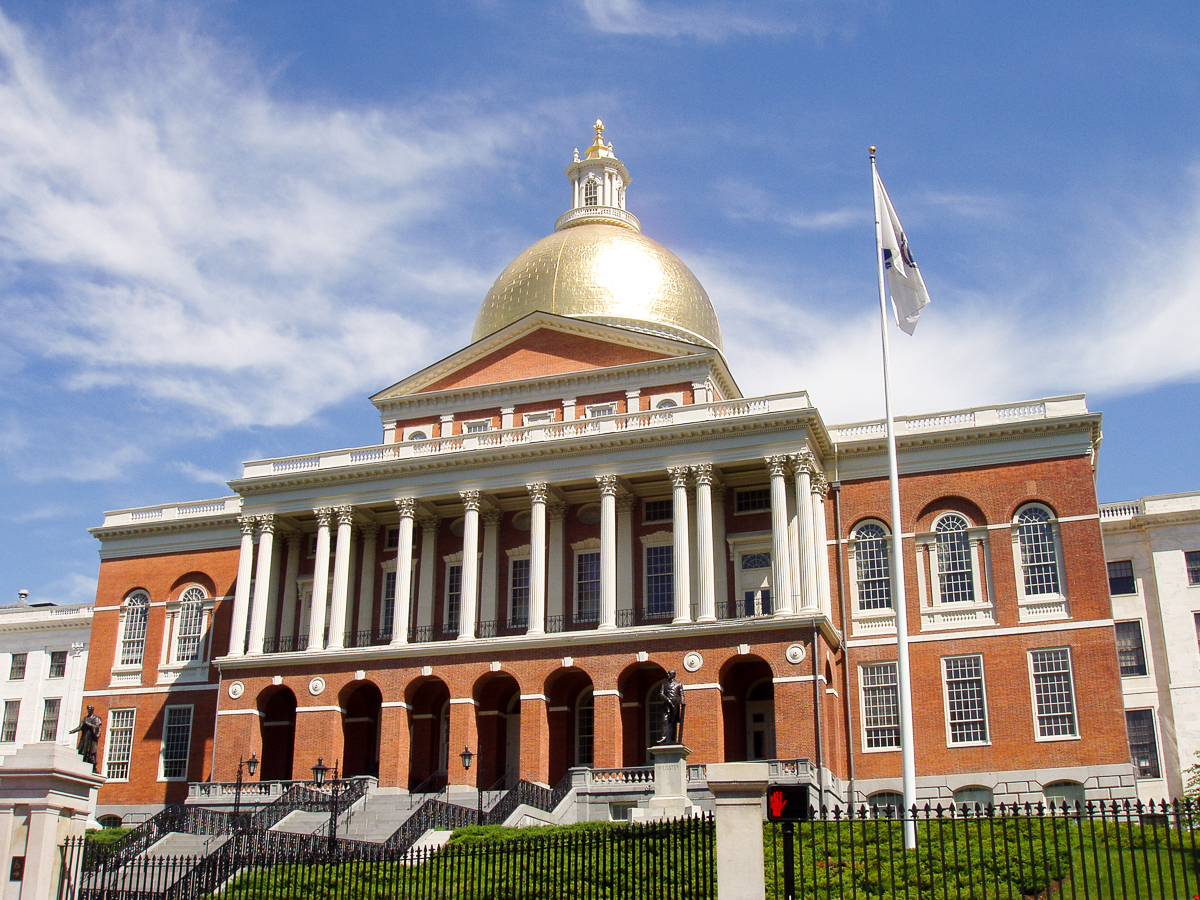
x=133, y=628
x=666, y=403
x=1064, y=793
x=418, y=436
x=585, y=725
x=874, y=567
x=1039, y=551
x=591, y=192
x=190, y=624
x=886, y=804
x=955, y=570
x=973, y=799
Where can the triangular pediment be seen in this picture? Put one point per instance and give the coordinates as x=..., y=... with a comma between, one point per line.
x=541, y=345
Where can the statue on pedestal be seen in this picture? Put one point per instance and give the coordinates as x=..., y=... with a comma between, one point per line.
x=673, y=705
x=89, y=737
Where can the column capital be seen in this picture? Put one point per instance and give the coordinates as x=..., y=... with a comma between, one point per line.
x=703, y=473
x=370, y=530
x=491, y=516
x=804, y=461
x=248, y=524
x=470, y=500
x=678, y=476
x=556, y=509
x=608, y=485
x=718, y=489
x=429, y=522
x=626, y=502
x=267, y=523
x=776, y=465
x=820, y=484
x=538, y=491
x=324, y=515
x=345, y=515
x=406, y=506
x=292, y=536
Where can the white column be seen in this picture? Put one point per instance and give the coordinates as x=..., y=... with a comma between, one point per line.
x=633, y=401
x=682, y=561
x=341, y=576
x=555, y=582
x=976, y=547
x=704, y=541
x=470, y=566
x=568, y=409
x=263, y=586
x=241, y=595
x=626, y=503
x=820, y=485
x=608, y=551
x=537, y=558
x=320, y=585
x=429, y=528
x=506, y=417
x=366, y=577
x=489, y=573
x=720, y=551
x=287, y=624
x=780, y=545
x=805, y=466
x=794, y=549
x=404, y=550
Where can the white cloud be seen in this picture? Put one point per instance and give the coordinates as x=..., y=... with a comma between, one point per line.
x=708, y=22
x=205, y=476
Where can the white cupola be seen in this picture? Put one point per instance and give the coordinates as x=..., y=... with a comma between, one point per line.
x=598, y=183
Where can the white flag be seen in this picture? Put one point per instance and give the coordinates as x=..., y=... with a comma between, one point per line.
x=905, y=283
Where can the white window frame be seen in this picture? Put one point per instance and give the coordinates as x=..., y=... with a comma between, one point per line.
x=868, y=621
x=411, y=430
x=57, y=718
x=162, y=744
x=1039, y=607
x=110, y=743
x=600, y=410
x=476, y=426
x=1141, y=645
x=175, y=613
x=510, y=616
x=748, y=544
x=657, y=539
x=670, y=510
x=584, y=548
x=936, y=614
x=751, y=512
x=1158, y=745
x=122, y=628
x=588, y=695
x=454, y=560
x=862, y=704
x=987, y=725
x=539, y=417
x=1037, y=729
x=656, y=400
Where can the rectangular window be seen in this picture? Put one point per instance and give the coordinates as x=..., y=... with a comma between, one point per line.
x=177, y=740
x=58, y=663
x=660, y=581
x=1054, y=693
x=17, y=671
x=753, y=500
x=391, y=538
x=477, y=427
x=8, y=729
x=587, y=587
x=966, y=704
x=518, y=593
x=1143, y=747
x=538, y=418
x=453, y=598
x=1120, y=577
x=602, y=409
x=658, y=511
x=881, y=706
x=387, y=615
x=1191, y=559
x=50, y=719
x=1131, y=655
x=120, y=744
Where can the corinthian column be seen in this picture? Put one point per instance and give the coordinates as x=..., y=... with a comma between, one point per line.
x=704, y=539
x=780, y=545
x=470, y=566
x=287, y=625
x=820, y=486
x=241, y=596
x=404, y=551
x=320, y=585
x=263, y=583
x=428, y=571
x=626, y=503
x=682, y=560
x=341, y=576
x=608, y=551
x=556, y=512
x=537, y=558
x=366, y=577
x=805, y=465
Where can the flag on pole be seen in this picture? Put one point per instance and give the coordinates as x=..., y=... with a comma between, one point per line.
x=904, y=280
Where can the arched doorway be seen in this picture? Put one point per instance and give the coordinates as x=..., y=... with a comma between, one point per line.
x=429, y=733
x=498, y=723
x=362, y=702
x=748, y=706
x=641, y=724
x=277, y=733
x=572, y=721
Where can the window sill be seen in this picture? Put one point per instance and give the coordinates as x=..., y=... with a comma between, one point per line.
x=956, y=615
x=880, y=749
x=1057, y=738
x=874, y=622
x=1043, y=607
x=125, y=675
x=183, y=673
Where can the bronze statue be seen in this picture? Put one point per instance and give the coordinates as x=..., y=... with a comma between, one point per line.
x=672, y=710
x=89, y=737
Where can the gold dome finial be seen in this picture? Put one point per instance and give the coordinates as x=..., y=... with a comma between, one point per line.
x=598, y=149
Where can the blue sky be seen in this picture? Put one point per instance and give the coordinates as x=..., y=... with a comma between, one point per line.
x=223, y=225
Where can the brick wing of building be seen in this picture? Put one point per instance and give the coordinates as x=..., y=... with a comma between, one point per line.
x=580, y=502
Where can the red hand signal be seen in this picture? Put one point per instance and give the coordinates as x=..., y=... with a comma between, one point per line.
x=777, y=803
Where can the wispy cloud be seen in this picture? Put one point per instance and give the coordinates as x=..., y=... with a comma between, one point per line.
x=205, y=476
x=706, y=22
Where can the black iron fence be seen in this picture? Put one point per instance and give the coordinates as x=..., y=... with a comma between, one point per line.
x=663, y=861
x=1088, y=851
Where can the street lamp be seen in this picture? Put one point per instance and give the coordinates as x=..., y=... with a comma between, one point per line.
x=466, y=756
x=251, y=765
x=320, y=770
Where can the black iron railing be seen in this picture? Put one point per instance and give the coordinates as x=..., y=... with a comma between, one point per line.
x=420, y=634
x=286, y=644
x=371, y=637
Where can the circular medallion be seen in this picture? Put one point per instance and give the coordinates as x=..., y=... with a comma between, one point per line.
x=693, y=661
x=236, y=689
x=795, y=654
x=316, y=686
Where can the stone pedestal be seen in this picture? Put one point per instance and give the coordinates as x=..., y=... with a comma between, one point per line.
x=738, y=789
x=46, y=795
x=670, y=800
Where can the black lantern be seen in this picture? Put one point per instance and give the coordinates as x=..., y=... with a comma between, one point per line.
x=466, y=756
x=319, y=771
x=252, y=765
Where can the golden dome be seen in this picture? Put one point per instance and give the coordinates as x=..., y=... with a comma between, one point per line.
x=603, y=273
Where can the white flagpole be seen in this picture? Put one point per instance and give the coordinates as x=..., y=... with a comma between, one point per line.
x=907, y=757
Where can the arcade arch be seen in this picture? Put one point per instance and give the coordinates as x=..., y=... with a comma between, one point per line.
x=498, y=725
x=362, y=702
x=748, y=707
x=277, y=733
x=428, y=699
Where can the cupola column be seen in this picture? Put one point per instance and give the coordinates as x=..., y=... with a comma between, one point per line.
x=780, y=543
x=608, y=551
x=470, y=566
x=263, y=583
x=241, y=596
x=407, y=508
x=320, y=584
x=537, y=558
x=682, y=560
x=341, y=576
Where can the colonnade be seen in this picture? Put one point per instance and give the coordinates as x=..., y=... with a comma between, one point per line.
x=700, y=582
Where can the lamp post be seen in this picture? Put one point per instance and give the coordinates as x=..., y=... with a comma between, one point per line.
x=466, y=757
x=251, y=765
x=320, y=770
